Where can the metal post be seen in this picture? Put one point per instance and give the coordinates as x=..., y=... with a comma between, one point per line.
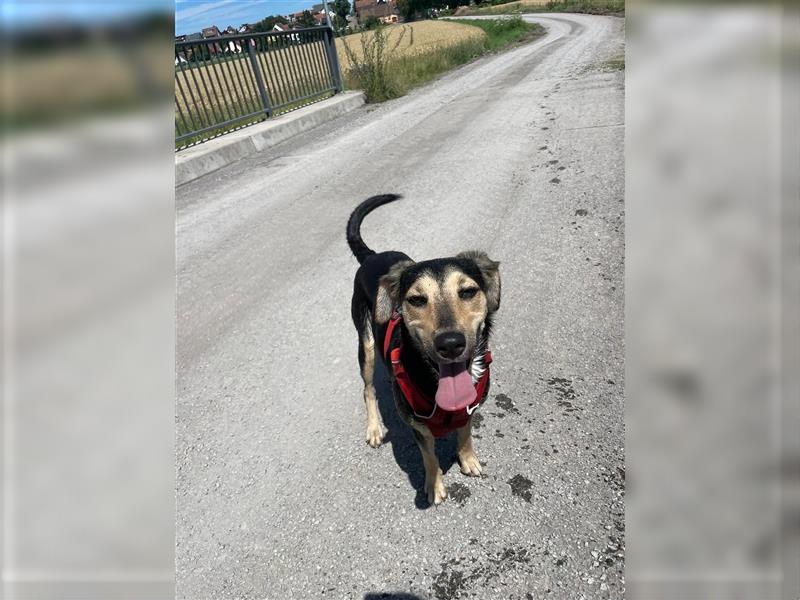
x=327, y=15
x=333, y=59
x=262, y=91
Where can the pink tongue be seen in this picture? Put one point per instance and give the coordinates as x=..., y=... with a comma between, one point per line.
x=455, y=387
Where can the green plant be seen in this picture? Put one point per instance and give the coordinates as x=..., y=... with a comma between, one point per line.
x=600, y=7
x=502, y=32
x=370, y=71
x=370, y=23
x=341, y=8
x=504, y=7
x=397, y=74
x=306, y=19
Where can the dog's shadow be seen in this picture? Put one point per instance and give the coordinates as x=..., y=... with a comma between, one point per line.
x=399, y=435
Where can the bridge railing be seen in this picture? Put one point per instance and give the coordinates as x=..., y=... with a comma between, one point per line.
x=227, y=82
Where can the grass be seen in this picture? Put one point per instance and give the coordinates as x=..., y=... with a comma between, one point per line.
x=502, y=33
x=384, y=71
x=615, y=64
x=595, y=7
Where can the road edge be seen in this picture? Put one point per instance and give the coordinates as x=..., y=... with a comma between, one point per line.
x=197, y=161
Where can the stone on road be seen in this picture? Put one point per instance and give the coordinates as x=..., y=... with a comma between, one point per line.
x=519, y=154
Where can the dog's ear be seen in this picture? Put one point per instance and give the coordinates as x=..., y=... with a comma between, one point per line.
x=389, y=291
x=490, y=269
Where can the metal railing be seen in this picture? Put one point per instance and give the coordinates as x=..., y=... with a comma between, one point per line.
x=227, y=82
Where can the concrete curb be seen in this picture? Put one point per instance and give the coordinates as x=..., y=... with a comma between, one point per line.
x=209, y=156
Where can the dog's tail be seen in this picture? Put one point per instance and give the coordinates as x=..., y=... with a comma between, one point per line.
x=357, y=245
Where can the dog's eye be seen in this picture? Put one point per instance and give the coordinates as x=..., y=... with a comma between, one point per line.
x=467, y=293
x=417, y=301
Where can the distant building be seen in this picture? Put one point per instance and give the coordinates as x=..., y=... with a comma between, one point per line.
x=189, y=37
x=230, y=30
x=209, y=32
x=319, y=17
x=383, y=10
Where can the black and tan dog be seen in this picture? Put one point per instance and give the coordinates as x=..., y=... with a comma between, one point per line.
x=431, y=321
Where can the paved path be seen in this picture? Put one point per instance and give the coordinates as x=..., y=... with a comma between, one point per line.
x=520, y=154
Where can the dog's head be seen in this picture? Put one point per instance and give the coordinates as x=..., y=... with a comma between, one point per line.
x=446, y=303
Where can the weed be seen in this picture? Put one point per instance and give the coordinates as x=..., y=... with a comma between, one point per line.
x=386, y=74
x=369, y=70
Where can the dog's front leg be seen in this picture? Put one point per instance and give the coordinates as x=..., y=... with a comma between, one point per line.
x=367, y=350
x=470, y=465
x=434, y=480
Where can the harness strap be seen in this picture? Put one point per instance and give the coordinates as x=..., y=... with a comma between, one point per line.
x=387, y=341
x=415, y=398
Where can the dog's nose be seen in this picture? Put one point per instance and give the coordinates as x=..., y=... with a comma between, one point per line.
x=450, y=344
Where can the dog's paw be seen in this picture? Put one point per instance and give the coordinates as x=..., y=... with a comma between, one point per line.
x=437, y=493
x=374, y=435
x=470, y=465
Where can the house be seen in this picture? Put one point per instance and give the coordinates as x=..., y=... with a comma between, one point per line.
x=187, y=51
x=234, y=46
x=319, y=18
x=245, y=28
x=383, y=10
x=209, y=32
x=191, y=37
x=230, y=30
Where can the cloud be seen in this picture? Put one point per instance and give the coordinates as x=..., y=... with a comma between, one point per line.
x=200, y=9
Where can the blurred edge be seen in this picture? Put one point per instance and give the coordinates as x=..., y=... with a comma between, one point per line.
x=712, y=306
x=790, y=313
x=88, y=300
x=713, y=502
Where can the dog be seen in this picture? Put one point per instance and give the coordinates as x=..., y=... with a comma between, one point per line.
x=431, y=321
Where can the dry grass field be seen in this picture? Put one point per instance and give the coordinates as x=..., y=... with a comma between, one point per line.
x=52, y=86
x=415, y=38
x=224, y=87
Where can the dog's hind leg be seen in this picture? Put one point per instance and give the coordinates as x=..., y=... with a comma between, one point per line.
x=434, y=479
x=470, y=465
x=366, y=359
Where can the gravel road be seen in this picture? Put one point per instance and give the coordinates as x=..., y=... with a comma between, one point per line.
x=279, y=496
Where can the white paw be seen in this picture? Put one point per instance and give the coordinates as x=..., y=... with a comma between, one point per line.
x=470, y=465
x=374, y=435
x=436, y=490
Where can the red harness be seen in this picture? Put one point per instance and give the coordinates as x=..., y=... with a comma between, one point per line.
x=439, y=421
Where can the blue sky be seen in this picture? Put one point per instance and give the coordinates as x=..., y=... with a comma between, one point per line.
x=16, y=13
x=193, y=15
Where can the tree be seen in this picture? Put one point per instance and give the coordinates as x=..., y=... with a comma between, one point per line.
x=268, y=24
x=306, y=20
x=341, y=8
x=371, y=22
x=410, y=9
